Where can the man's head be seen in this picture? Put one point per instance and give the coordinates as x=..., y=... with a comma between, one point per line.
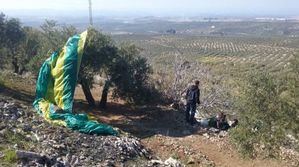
x=234, y=123
x=196, y=82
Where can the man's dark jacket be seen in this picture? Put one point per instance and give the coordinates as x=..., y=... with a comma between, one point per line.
x=192, y=94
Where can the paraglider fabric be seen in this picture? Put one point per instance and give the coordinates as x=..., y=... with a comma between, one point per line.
x=55, y=89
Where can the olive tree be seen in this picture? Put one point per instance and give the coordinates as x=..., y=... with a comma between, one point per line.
x=14, y=36
x=99, y=51
x=123, y=67
x=129, y=73
x=51, y=38
x=2, y=39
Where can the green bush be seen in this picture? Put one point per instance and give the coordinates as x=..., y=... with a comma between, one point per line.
x=130, y=74
x=268, y=113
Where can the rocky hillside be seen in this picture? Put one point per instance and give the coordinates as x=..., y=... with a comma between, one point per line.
x=37, y=143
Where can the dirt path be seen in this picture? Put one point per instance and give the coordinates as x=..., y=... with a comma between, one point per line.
x=163, y=132
x=196, y=150
x=223, y=155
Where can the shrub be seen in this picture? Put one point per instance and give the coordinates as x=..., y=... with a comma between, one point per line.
x=268, y=114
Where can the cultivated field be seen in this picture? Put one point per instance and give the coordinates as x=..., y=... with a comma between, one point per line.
x=273, y=54
x=221, y=59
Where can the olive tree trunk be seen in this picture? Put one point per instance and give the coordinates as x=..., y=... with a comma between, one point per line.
x=87, y=93
x=105, y=91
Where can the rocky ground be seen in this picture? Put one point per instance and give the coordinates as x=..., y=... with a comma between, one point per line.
x=39, y=143
x=35, y=142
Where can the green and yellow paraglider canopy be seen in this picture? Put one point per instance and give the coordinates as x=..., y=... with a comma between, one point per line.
x=56, y=85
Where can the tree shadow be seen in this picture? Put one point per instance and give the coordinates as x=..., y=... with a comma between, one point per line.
x=142, y=122
x=23, y=96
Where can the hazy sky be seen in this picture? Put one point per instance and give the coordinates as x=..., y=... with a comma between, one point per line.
x=173, y=7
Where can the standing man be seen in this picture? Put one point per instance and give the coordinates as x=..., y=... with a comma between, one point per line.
x=192, y=97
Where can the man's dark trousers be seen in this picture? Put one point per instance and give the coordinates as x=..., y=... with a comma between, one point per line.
x=190, y=112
